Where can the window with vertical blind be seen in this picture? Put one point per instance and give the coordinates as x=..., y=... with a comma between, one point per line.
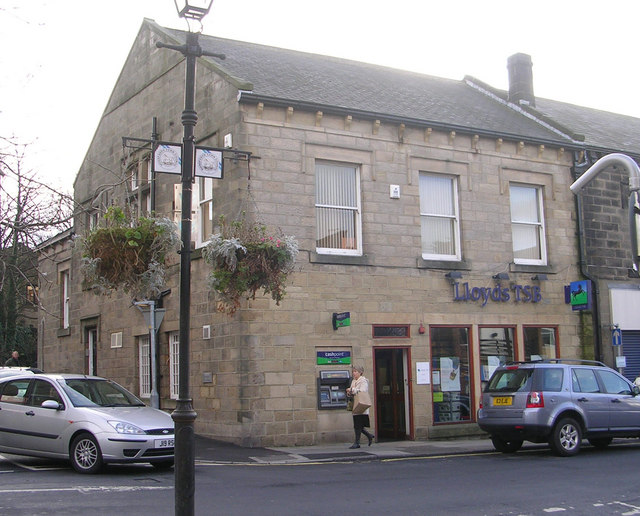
x=439, y=217
x=144, y=356
x=338, y=213
x=174, y=363
x=527, y=225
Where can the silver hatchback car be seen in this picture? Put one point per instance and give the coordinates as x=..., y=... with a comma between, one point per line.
x=85, y=419
x=559, y=402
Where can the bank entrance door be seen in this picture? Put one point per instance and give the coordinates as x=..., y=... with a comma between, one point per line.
x=392, y=393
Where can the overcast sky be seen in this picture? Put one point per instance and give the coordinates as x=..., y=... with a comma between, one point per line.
x=61, y=58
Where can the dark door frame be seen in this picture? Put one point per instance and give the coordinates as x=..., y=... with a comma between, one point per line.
x=406, y=358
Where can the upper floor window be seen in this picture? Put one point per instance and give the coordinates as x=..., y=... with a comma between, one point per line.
x=32, y=294
x=201, y=209
x=527, y=225
x=140, y=173
x=64, y=298
x=338, y=212
x=439, y=217
x=205, y=208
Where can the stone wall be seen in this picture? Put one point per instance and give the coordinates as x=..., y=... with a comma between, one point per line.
x=253, y=381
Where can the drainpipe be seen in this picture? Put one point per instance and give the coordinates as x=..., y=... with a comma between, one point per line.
x=597, y=340
x=153, y=317
x=634, y=185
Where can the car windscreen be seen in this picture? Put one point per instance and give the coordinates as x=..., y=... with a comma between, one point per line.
x=510, y=380
x=91, y=392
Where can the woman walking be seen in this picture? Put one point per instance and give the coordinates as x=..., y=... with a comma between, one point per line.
x=360, y=421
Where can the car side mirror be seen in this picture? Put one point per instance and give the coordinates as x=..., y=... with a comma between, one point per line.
x=51, y=404
x=635, y=390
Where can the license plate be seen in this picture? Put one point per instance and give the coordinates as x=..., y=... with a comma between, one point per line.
x=164, y=443
x=500, y=401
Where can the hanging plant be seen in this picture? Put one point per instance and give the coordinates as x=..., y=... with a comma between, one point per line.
x=128, y=253
x=246, y=259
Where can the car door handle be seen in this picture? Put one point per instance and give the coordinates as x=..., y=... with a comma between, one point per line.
x=583, y=399
x=616, y=400
x=30, y=413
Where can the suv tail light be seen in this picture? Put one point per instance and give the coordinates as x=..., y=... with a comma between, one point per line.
x=535, y=400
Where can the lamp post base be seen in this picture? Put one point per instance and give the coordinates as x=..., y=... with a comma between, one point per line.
x=184, y=417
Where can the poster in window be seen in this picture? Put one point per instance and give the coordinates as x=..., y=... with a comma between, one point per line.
x=450, y=374
x=493, y=362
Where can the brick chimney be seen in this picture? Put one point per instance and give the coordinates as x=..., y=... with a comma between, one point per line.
x=520, y=70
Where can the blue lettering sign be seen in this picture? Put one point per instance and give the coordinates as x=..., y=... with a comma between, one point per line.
x=498, y=294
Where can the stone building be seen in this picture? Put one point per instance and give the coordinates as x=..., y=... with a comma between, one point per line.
x=436, y=213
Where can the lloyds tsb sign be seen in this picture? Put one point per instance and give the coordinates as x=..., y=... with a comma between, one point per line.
x=498, y=294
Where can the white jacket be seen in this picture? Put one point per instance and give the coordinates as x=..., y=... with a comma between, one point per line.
x=360, y=385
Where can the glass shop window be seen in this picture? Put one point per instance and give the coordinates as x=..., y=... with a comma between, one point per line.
x=450, y=365
x=496, y=349
x=540, y=343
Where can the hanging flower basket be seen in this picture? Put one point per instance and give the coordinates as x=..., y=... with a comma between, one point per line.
x=129, y=254
x=246, y=259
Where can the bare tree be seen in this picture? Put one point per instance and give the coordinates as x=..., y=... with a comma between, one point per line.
x=30, y=212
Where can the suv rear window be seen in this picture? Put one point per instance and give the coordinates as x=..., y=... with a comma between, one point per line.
x=510, y=380
x=550, y=379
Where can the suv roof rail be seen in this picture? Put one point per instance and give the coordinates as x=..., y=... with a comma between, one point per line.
x=559, y=361
x=575, y=361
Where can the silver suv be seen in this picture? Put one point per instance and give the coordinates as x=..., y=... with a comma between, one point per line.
x=560, y=402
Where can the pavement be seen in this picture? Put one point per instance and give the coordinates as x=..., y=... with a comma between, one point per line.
x=209, y=451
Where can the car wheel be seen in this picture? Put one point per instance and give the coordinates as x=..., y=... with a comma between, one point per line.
x=566, y=437
x=85, y=454
x=163, y=464
x=600, y=442
x=506, y=445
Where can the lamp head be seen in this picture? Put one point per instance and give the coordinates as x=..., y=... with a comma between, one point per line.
x=193, y=9
x=452, y=276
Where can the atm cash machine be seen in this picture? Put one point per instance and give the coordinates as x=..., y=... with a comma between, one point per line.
x=332, y=389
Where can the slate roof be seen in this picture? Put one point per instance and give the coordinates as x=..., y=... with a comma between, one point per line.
x=601, y=129
x=289, y=77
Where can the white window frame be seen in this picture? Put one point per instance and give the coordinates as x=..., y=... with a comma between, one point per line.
x=355, y=209
x=204, y=198
x=427, y=212
x=135, y=173
x=144, y=361
x=65, y=297
x=539, y=225
x=174, y=364
x=197, y=208
x=94, y=218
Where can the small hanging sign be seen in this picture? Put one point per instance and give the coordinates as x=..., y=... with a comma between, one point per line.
x=209, y=163
x=167, y=158
x=579, y=294
x=341, y=319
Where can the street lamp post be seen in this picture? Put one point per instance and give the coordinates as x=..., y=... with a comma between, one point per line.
x=184, y=416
